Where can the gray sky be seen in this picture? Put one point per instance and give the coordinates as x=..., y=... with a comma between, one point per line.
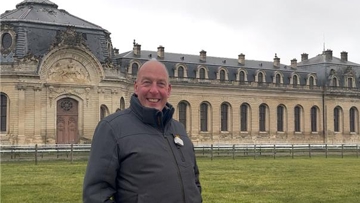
x=226, y=28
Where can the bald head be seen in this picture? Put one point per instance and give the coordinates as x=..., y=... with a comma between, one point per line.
x=151, y=65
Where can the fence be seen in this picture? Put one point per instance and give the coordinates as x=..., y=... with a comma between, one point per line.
x=73, y=152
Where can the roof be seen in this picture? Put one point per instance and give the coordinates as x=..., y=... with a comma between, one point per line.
x=45, y=12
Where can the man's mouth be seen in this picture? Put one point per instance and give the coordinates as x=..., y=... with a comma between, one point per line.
x=153, y=100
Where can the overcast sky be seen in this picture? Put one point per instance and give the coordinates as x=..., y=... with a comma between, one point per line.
x=226, y=28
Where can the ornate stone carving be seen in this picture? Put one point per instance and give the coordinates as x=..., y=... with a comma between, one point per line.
x=69, y=37
x=68, y=71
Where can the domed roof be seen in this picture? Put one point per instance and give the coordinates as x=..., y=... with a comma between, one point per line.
x=45, y=12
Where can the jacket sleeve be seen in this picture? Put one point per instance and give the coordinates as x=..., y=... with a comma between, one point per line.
x=100, y=177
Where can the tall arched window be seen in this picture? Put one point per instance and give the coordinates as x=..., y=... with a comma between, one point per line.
x=350, y=82
x=280, y=118
x=334, y=82
x=260, y=77
x=182, y=113
x=134, y=68
x=297, y=116
x=202, y=73
x=181, y=72
x=295, y=80
x=3, y=113
x=204, y=117
x=278, y=81
x=222, y=75
x=103, y=111
x=336, y=119
x=244, y=115
x=352, y=119
x=313, y=119
x=122, y=103
x=224, y=117
x=242, y=77
x=262, y=117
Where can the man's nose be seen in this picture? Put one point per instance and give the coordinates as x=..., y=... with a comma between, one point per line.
x=154, y=88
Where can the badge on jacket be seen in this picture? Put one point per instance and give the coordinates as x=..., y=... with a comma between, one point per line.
x=178, y=140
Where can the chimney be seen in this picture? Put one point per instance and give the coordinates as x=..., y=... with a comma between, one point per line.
x=328, y=54
x=304, y=57
x=137, y=49
x=160, y=52
x=116, y=51
x=276, y=61
x=241, y=59
x=294, y=63
x=202, y=55
x=344, y=56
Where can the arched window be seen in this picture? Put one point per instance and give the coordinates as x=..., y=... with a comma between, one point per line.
x=204, y=117
x=278, y=81
x=262, y=117
x=3, y=112
x=350, y=82
x=352, y=119
x=181, y=72
x=297, y=116
x=311, y=82
x=260, y=77
x=103, y=112
x=182, y=113
x=280, y=118
x=224, y=117
x=202, y=73
x=122, y=103
x=334, y=82
x=134, y=68
x=313, y=119
x=336, y=119
x=222, y=75
x=295, y=80
x=244, y=115
x=242, y=77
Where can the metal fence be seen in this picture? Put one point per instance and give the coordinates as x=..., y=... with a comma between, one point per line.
x=73, y=152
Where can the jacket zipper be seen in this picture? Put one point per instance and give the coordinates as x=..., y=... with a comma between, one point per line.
x=178, y=168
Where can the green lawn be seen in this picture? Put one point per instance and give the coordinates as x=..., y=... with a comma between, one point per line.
x=224, y=180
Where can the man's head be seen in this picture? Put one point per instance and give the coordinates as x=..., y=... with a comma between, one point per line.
x=152, y=85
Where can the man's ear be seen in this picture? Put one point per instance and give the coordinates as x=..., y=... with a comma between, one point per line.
x=169, y=91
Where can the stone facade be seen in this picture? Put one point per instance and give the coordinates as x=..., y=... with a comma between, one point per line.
x=58, y=81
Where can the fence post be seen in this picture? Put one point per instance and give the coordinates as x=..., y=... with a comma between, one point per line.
x=71, y=153
x=309, y=151
x=274, y=151
x=233, y=151
x=357, y=151
x=211, y=152
x=254, y=151
x=326, y=150
x=36, y=151
x=292, y=151
x=342, y=151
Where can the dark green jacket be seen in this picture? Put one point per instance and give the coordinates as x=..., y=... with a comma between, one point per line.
x=134, y=159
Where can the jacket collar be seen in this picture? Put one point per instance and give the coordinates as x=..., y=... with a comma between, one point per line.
x=151, y=116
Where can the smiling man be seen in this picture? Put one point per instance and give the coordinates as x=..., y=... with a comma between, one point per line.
x=141, y=154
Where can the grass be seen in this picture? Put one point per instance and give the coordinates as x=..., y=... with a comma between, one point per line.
x=224, y=180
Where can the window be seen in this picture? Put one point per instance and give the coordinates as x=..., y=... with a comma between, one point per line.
x=204, y=117
x=295, y=80
x=134, y=68
x=103, y=112
x=260, y=77
x=3, y=112
x=244, y=115
x=262, y=117
x=222, y=75
x=242, y=77
x=297, y=118
x=280, y=118
x=350, y=82
x=181, y=72
x=122, y=103
x=313, y=119
x=278, y=81
x=224, y=117
x=6, y=41
x=352, y=119
x=311, y=82
x=337, y=119
x=202, y=73
x=334, y=82
x=182, y=113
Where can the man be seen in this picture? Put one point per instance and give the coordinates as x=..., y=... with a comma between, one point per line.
x=141, y=154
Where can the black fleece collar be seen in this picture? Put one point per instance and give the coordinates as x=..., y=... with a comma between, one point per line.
x=151, y=116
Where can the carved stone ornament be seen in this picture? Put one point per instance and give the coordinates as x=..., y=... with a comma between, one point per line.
x=8, y=39
x=68, y=71
x=69, y=37
x=108, y=63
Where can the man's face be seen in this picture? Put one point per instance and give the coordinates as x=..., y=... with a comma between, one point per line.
x=152, y=85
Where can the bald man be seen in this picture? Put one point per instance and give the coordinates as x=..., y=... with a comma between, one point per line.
x=141, y=154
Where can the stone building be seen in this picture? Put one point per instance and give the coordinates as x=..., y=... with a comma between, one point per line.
x=60, y=75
